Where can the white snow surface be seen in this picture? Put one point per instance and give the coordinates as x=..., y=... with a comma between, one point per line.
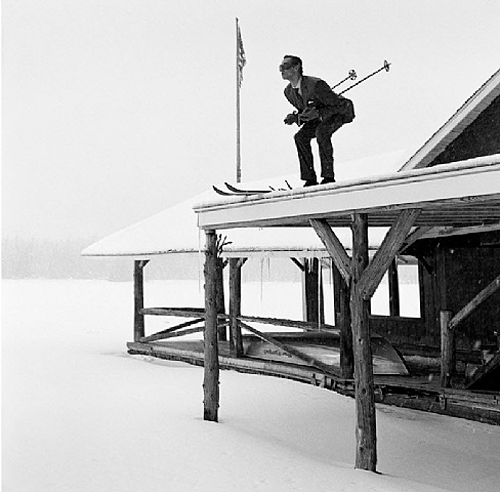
x=80, y=414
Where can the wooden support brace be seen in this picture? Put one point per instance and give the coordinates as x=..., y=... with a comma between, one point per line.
x=490, y=289
x=298, y=263
x=167, y=333
x=388, y=250
x=333, y=246
x=211, y=350
x=415, y=235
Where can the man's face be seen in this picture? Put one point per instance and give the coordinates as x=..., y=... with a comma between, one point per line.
x=288, y=71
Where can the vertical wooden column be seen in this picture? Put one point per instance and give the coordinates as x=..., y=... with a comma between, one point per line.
x=447, y=349
x=139, y=298
x=314, y=302
x=394, y=309
x=236, y=341
x=343, y=322
x=211, y=354
x=366, y=436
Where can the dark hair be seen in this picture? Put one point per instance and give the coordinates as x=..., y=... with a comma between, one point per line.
x=295, y=60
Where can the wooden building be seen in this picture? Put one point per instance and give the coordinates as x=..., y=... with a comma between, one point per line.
x=442, y=208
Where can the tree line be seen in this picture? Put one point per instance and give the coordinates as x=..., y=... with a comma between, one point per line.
x=24, y=258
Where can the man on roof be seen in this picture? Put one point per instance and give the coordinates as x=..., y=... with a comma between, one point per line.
x=317, y=115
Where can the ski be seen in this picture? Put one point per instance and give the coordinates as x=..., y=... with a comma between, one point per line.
x=222, y=192
x=235, y=190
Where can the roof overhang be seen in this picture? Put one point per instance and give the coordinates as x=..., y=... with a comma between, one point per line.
x=462, y=194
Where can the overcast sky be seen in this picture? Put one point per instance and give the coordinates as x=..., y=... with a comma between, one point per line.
x=114, y=110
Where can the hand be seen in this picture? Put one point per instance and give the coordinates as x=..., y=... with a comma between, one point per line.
x=309, y=115
x=291, y=119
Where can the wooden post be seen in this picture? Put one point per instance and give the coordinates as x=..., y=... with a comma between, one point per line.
x=394, y=309
x=343, y=322
x=314, y=302
x=139, y=298
x=211, y=353
x=366, y=436
x=447, y=349
x=236, y=341
x=221, y=304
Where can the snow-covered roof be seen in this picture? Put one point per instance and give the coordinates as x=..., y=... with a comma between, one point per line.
x=175, y=230
x=462, y=194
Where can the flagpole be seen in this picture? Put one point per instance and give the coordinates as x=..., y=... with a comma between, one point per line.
x=238, y=124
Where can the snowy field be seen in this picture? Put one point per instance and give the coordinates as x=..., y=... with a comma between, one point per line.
x=80, y=414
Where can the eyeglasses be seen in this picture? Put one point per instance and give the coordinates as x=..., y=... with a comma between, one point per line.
x=286, y=66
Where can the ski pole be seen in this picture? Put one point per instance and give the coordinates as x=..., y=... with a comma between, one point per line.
x=384, y=67
x=352, y=75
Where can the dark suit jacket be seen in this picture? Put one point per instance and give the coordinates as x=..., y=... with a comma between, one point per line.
x=316, y=92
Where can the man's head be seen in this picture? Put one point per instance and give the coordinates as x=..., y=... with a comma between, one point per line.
x=291, y=67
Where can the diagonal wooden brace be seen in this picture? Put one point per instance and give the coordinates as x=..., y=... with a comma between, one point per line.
x=334, y=247
x=490, y=289
x=388, y=250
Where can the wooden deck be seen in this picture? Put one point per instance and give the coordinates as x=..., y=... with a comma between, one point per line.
x=416, y=392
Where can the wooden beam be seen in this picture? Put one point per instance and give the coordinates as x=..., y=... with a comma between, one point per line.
x=333, y=246
x=211, y=350
x=235, y=338
x=447, y=349
x=181, y=312
x=474, y=303
x=327, y=369
x=139, y=328
x=303, y=325
x=388, y=250
x=366, y=433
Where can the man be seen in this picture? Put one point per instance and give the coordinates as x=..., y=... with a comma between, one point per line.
x=317, y=116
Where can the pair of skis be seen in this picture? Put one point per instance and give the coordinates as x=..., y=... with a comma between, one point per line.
x=234, y=191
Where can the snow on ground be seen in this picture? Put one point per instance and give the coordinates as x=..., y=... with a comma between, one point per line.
x=80, y=414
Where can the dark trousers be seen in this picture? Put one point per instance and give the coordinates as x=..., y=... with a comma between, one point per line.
x=322, y=131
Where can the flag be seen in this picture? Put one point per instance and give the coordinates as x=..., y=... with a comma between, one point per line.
x=241, y=59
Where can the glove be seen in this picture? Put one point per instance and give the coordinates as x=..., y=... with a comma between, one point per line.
x=291, y=119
